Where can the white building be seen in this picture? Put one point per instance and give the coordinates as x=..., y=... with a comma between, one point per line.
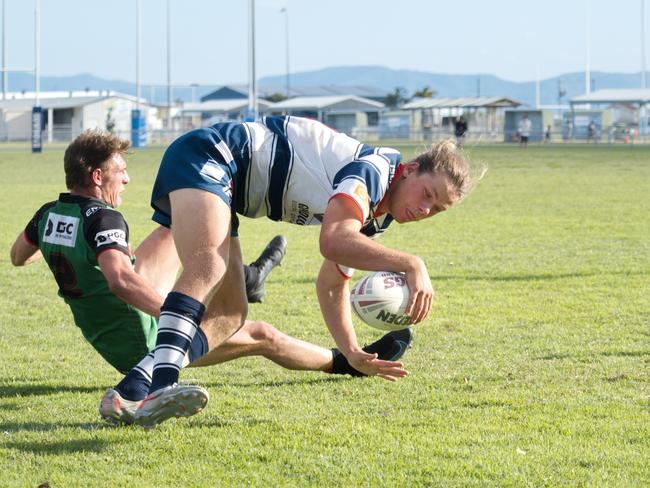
x=629, y=106
x=67, y=114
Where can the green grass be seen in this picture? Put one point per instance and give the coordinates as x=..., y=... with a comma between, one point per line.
x=532, y=369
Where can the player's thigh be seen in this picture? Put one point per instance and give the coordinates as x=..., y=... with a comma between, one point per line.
x=201, y=221
x=157, y=260
x=228, y=307
x=201, y=230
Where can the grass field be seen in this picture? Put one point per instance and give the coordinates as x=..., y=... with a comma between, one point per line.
x=532, y=369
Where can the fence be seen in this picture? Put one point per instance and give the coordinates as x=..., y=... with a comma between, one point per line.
x=63, y=134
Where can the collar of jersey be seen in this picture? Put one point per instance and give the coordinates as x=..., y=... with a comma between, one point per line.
x=69, y=198
x=398, y=172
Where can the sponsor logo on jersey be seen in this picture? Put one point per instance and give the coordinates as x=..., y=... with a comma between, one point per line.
x=91, y=211
x=61, y=230
x=111, y=236
x=361, y=191
x=303, y=214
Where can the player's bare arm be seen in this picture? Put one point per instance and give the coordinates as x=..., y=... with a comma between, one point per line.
x=341, y=242
x=334, y=298
x=128, y=285
x=24, y=252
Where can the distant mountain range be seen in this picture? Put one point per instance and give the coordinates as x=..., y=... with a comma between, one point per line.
x=445, y=85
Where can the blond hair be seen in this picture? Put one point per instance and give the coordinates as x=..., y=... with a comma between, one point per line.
x=447, y=157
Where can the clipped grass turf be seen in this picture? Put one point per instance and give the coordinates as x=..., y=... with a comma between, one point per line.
x=532, y=369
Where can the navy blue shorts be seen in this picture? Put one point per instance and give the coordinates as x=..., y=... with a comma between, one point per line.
x=192, y=161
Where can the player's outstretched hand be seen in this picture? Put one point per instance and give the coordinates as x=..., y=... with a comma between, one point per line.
x=370, y=365
x=420, y=291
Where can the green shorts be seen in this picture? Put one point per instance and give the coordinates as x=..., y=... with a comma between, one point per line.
x=123, y=338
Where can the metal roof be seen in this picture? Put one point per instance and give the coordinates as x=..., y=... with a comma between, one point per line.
x=305, y=90
x=319, y=103
x=226, y=105
x=59, y=100
x=469, y=102
x=619, y=95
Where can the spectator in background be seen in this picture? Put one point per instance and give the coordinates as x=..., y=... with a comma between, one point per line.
x=593, y=133
x=460, y=130
x=110, y=121
x=566, y=129
x=525, y=128
x=547, y=134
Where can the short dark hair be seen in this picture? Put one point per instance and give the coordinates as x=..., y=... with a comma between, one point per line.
x=88, y=152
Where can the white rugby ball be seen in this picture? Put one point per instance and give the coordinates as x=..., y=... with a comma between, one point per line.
x=380, y=299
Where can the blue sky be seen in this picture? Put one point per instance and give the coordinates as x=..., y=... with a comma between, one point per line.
x=510, y=39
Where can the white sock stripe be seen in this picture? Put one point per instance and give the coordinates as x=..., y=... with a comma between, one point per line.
x=169, y=355
x=170, y=346
x=186, y=360
x=179, y=333
x=145, y=366
x=184, y=318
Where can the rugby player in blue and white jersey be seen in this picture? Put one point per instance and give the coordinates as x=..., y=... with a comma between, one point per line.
x=295, y=170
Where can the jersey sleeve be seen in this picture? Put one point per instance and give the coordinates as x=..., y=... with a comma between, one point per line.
x=106, y=229
x=31, y=230
x=363, y=181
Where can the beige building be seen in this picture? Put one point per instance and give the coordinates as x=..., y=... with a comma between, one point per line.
x=430, y=116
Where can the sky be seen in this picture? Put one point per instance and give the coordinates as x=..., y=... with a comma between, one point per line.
x=514, y=40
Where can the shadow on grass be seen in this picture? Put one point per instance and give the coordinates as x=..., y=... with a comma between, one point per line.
x=8, y=406
x=535, y=277
x=524, y=277
x=486, y=404
x=623, y=354
x=58, y=447
x=49, y=427
x=300, y=382
x=236, y=422
x=35, y=389
x=586, y=357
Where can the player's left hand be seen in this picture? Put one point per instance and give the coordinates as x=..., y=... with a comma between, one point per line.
x=371, y=365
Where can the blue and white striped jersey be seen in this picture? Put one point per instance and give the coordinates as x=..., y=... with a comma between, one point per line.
x=294, y=166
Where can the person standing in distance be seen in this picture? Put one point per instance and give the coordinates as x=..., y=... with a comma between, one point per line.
x=460, y=129
x=525, y=128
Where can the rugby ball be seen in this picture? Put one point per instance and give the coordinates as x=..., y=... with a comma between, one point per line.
x=380, y=298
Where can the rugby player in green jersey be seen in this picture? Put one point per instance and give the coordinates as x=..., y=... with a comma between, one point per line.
x=115, y=294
